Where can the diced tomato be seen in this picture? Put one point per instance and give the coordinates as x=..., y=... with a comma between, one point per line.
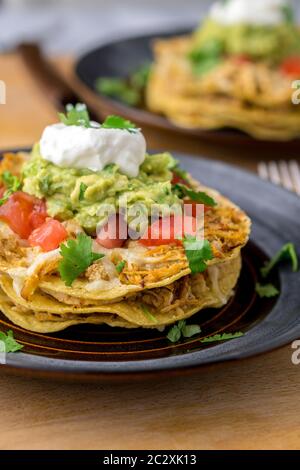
x=16, y=212
x=114, y=233
x=49, y=235
x=178, y=180
x=169, y=230
x=39, y=214
x=23, y=212
x=291, y=66
x=193, y=207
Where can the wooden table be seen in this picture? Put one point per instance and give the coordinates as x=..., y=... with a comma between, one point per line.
x=251, y=404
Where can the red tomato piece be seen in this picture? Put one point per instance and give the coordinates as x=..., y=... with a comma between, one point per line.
x=169, y=230
x=178, y=180
x=39, y=214
x=23, y=212
x=16, y=212
x=49, y=235
x=114, y=233
x=291, y=66
x=2, y=191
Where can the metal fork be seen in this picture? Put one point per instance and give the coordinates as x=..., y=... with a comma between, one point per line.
x=283, y=173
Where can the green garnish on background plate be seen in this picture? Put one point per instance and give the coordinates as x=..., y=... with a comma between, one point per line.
x=128, y=90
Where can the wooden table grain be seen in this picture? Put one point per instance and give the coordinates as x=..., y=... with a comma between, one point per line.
x=250, y=404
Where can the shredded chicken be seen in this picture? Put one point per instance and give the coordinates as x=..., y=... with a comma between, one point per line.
x=97, y=271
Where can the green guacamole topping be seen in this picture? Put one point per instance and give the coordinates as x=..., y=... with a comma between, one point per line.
x=78, y=194
x=270, y=43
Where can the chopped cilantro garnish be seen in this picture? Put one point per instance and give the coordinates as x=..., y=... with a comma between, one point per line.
x=207, y=57
x=182, y=330
x=140, y=77
x=120, y=266
x=181, y=190
x=76, y=115
x=287, y=252
x=129, y=90
x=77, y=257
x=10, y=344
x=82, y=189
x=267, y=290
x=197, y=253
x=12, y=184
x=148, y=314
x=221, y=337
x=118, y=88
x=117, y=122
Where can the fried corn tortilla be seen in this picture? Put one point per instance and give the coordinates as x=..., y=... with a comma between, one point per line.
x=154, y=289
x=152, y=308
x=250, y=96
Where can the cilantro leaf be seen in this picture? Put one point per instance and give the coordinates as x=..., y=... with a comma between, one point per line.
x=181, y=190
x=287, y=252
x=77, y=257
x=267, y=290
x=117, y=122
x=120, y=266
x=197, y=253
x=182, y=330
x=174, y=334
x=129, y=90
x=221, y=337
x=82, y=189
x=12, y=184
x=190, y=330
x=11, y=345
x=118, y=88
x=148, y=314
x=76, y=115
x=140, y=77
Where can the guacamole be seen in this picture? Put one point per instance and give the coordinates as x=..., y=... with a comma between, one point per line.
x=270, y=43
x=79, y=193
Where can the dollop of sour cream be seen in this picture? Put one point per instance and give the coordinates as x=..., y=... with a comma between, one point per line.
x=255, y=12
x=93, y=147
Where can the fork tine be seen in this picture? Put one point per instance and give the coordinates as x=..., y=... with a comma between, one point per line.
x=285, y=175
x=295, y=175
x=274, y=173
x=263, y=171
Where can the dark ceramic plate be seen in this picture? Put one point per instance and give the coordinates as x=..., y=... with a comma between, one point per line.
x=98, y=353
x=120, y=59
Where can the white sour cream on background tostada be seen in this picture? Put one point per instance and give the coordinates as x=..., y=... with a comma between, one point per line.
x=93, y=147
x=255, y=12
